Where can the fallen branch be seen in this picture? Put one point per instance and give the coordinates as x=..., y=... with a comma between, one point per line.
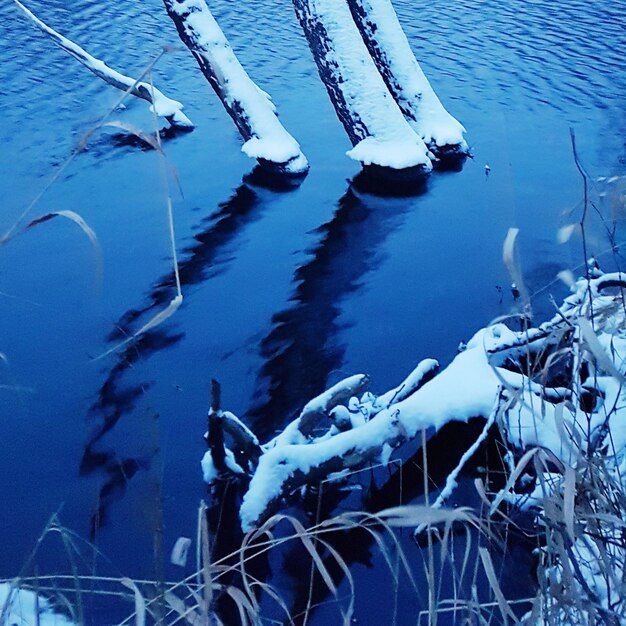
x=171, y=110
x=250, y=108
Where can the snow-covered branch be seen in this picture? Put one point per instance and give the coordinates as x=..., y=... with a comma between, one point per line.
x=387, y=44
x=347, y=427
x=374, y=123
x=171, y=110
x=250, y=108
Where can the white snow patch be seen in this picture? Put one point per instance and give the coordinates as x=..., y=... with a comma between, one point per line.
x=26, y=608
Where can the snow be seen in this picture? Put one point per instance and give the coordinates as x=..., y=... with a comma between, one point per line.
x=386, y=139
x=408, y=84
x=547, y=424
x=410, y=383
x=210, y=473
x=26, y=608
x=269, y=140
x=349, y=386
x=398, y=153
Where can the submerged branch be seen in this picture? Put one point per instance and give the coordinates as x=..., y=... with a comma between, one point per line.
x=171, y=110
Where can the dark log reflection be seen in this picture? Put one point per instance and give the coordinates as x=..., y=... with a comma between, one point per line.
x=393, y=487
x=302, y=349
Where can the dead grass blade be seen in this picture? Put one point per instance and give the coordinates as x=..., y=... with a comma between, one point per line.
x=528, y=456
x=593, y=343
x=247, y=612
x=569, y=497
x=74, y=217
x=508, y=256
x=416, y=515
x=503, y=605
x=183, y=611
x=140, y=602
x=207, y=573
x=159, y=318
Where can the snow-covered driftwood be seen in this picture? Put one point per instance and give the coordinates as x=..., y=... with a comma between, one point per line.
x=374, y=123
x=250, y=108
x=171, y=110
x=348, y=432
x=383, y=35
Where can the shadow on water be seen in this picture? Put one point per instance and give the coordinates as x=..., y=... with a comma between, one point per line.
x=302, y=349
x=207, y=257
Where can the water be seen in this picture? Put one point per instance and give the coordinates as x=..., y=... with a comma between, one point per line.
x=284, y=291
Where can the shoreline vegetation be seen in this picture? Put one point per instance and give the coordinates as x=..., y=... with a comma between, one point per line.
x=555, y=395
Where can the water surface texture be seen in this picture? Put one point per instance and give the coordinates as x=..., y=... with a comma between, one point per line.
x=285, y=291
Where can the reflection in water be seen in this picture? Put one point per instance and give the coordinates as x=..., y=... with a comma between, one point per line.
x=199, y=262
x=302, y=349
x=202, y=260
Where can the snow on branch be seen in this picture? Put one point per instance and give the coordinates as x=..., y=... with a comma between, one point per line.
x=250, y=108
x=374, y=123
x=347, y=427
x=387, y=44
x=171, y=110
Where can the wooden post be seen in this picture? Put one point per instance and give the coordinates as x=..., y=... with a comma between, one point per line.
x=375, y=125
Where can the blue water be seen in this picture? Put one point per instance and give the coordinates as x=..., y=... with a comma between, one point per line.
x=285, y=291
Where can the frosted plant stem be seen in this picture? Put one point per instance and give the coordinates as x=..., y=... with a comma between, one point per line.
x=170, y=212
x=451, y=483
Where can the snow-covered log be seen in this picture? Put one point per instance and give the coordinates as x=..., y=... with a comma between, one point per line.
x=171, y=110
x=368, y=428
x=383, y=35
x=388, y=45
x=250, y=108
x=374, y=123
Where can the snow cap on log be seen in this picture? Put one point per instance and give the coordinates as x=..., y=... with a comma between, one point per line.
x=250, y=107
